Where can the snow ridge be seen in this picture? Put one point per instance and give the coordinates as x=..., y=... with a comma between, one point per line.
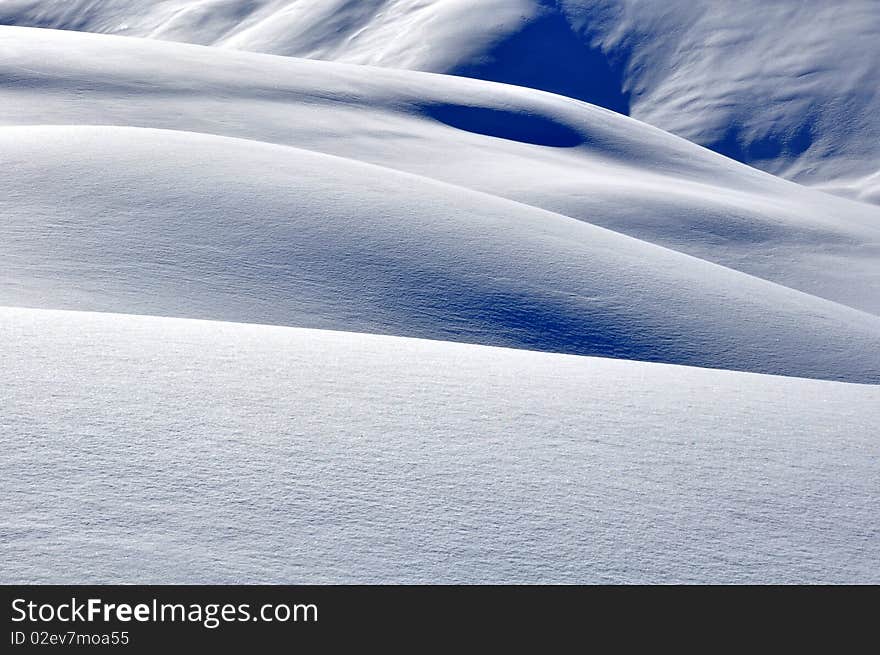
x=788, y=87
x=277, y=319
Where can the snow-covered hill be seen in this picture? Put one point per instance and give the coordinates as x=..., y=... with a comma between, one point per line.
x=257, y=230
x=180, y=224
x=789, y=86
x=547, y=151
x=377, y=218
x=144, y=449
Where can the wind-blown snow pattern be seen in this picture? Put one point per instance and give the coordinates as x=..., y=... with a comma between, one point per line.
x=417, y=291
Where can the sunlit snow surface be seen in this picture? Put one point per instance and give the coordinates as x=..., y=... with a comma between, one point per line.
x=450, y=209
x=163, y=450
x=789, y=86
x=585, y=318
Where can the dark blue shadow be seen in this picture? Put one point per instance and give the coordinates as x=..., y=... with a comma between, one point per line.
x=503, y=124
x=547, y=55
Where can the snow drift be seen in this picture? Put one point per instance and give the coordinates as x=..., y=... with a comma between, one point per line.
x=547, y=151
x=148, y=177
x=181, y=224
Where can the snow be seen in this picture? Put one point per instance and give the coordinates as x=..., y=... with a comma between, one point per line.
x=142, y=449
x=866, y=189
x=622, y=175
x=184, y=224
x=277, y=319
x=787, y=86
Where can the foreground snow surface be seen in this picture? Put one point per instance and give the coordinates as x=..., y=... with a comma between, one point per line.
x=142, y=449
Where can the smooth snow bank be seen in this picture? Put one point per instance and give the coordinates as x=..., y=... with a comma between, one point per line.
x=789, y=86
x=153, y=450
x=180, y=224
x=551, y=152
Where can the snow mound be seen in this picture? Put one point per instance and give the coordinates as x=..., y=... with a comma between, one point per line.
x=410, y=215
x=788, y=86
x=551, y=152
x=171, y=223
x=142, y=449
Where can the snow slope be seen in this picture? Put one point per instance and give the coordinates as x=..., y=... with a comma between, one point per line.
x=547, y=151
x=788, y=86
x=142, y=449
x=379, y=218
x=183, y=224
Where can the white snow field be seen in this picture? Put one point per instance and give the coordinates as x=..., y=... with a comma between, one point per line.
x=789, y=86
x=548, y=151
x=451, y=329
x=183, y=224
x=142, y=449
